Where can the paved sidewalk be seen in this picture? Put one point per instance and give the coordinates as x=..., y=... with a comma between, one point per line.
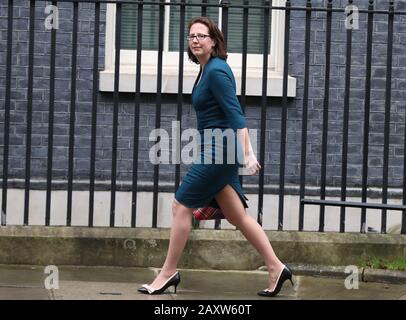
x=98, y=283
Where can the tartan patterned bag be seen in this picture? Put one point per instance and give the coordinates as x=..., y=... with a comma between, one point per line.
x=208, y=213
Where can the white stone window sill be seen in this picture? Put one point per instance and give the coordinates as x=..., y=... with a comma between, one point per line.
x=170, y=80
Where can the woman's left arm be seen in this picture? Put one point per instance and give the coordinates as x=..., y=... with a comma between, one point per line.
x=251, y=164
x=222, y=87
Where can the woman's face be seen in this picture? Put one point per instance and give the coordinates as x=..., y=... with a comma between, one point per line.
x=202, y=48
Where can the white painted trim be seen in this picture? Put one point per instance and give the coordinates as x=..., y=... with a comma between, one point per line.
x=15, y=211
x=170, y=80
x=170, y=63
x=110, y=39
x=278, y=37
x=166, y=26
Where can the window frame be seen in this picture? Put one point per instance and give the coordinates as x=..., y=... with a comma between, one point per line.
x=170, y=66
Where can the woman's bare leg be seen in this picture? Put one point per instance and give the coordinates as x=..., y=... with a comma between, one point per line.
x=233, y=209
x=181, y=226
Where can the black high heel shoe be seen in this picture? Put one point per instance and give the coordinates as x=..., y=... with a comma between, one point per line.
x=286, y=274
x=172, y=281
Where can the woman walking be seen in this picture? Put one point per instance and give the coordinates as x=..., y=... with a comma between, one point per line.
x=216, y=185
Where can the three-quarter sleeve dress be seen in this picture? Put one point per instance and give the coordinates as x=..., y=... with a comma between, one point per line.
x=217, y=107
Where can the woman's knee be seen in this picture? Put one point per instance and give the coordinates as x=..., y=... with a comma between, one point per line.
x=179, y=209
x=235, y=219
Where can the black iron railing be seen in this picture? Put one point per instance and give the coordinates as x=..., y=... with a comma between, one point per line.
x=245, y=8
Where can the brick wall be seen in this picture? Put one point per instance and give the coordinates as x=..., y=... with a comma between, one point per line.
x=253, y=110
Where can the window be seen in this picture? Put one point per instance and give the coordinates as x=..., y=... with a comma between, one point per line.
x=171, y=48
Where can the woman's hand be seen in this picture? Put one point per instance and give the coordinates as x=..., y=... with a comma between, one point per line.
x=250, y=164
x=252, y=167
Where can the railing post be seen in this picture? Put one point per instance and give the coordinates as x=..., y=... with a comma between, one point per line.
x=116, y=105
x=344, y=156
x=204, y=8
x=264, y=102
x=243, y=96
x=325, y=116
x=385, y=174
x=50, y=125
x=72, y=111
x=137, y=104
x=180, y=91
x=305, y=114
x=158, y=108
x=94, y=112
x=284, y=118
x=224, y=28
x=29, y=114
x=7, y=112
x=224, y=18
x=367, y=106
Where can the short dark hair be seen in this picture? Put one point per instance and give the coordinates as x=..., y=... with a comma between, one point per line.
x=220, y=48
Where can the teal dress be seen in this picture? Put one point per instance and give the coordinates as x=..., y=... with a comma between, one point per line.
x=217, y=107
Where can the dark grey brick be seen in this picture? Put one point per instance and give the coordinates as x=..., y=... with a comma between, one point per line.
x=148, y=108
